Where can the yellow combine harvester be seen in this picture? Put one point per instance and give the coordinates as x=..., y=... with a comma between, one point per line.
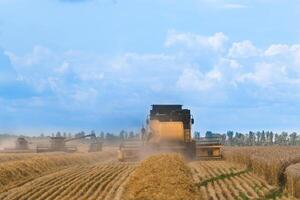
x=169, y=130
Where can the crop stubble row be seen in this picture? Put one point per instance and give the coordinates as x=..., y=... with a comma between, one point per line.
x=222, y=180
x=99, y=181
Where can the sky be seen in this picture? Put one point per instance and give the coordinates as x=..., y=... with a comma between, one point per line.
x=72, y=65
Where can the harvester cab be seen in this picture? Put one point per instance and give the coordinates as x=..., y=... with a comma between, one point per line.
x=22, y=144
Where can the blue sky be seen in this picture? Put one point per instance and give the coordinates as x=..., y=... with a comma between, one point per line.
x=75, y=65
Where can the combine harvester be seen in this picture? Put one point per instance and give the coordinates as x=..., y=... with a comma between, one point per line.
x=58, y=143
x=169, y=130
x=21, y=146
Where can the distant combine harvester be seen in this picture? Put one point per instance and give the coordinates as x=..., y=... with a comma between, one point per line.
x=58, y=143
x=21, y=146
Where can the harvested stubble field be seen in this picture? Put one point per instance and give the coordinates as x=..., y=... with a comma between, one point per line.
x=16, y=172
x=160, y=177
x=220, y=180
x=96, y=181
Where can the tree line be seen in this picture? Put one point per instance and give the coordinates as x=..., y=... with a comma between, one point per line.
x=230, y=138
x=259, y=138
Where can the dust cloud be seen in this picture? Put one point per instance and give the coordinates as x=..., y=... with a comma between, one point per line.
x=7, y=143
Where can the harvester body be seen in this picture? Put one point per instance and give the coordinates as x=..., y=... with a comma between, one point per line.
x=58, y=143
x=22, y=144
x=168, y=130
x=95, y=146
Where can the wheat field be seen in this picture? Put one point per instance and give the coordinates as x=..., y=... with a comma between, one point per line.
x=242, y=174
x=275, y=164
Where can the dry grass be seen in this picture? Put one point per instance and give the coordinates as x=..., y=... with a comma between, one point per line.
x=161, y=177
x=293, y=180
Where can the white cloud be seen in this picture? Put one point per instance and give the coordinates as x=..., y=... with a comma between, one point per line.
x=215, y=42
x=71, y=75
x=277, y=49
x=297, y=58
x=234, y=64
x=266, y=74
x=295, y=51
x=38, y=54
x=193, y=79
x=244, y=49
x=63, y=68
x=291, y=54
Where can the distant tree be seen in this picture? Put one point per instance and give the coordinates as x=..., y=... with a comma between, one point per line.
x=197, y=135
x=277, y=139
x=102, y=135
x=284, y=140
x=122, y=135
x=239, y=139
x=208, y=134
x=230, y=137
x=93, y=132
x=107, y=136
x=251, y=138
x=298, y=140
x=58, y=134
x=131, y=134
x=293, y=138
x=271, y=137
x=258, y=136
x=263, y=138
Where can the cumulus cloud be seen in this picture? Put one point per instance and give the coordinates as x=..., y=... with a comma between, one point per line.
x=266, y=74
x=277, y=49
x=71, y=73
x=195, y=80
x=244, y=49
x=215, y=42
